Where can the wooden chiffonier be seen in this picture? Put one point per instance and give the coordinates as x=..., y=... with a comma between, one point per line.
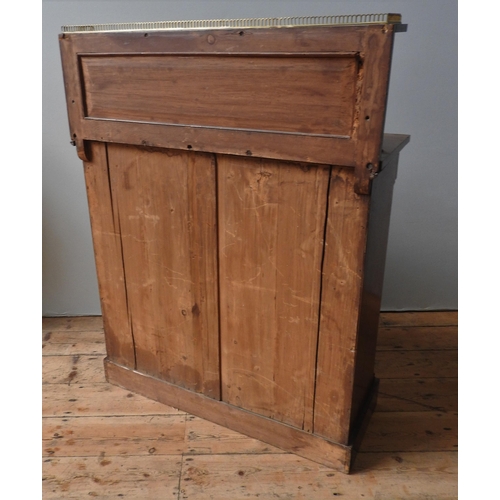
x=239, y=187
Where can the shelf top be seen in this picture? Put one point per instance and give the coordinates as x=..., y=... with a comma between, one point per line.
x=270, y=22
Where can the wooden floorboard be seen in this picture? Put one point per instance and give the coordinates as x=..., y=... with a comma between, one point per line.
x=419, y=318
x=406, y=475
x=101, y=441
x=418, y=394
x=417, y=338
x=416, y=364
x=75, y=369
x=80, y=400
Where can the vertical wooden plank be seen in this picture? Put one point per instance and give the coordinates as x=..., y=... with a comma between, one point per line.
x=271, y=225
x=340, y=302
x=74, y=94
x=373, y=279
x=108, y=259
x=373, y=81
x=166, y=205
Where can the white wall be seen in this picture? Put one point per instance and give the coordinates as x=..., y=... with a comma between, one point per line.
x=421, y=271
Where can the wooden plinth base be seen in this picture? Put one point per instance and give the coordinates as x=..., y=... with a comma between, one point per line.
x=304, y=444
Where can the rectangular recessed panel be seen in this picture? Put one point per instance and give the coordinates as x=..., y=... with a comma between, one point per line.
x=313, y=95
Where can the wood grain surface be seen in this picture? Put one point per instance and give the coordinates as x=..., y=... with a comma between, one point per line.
x=315, y=94
x=108, y=251
x=271, y=231
x=165, y=203
x=308, y=95
x=100, y=441
x=345, y=242
x=241, y=279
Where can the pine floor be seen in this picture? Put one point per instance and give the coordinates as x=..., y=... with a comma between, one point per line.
x=103, y=442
